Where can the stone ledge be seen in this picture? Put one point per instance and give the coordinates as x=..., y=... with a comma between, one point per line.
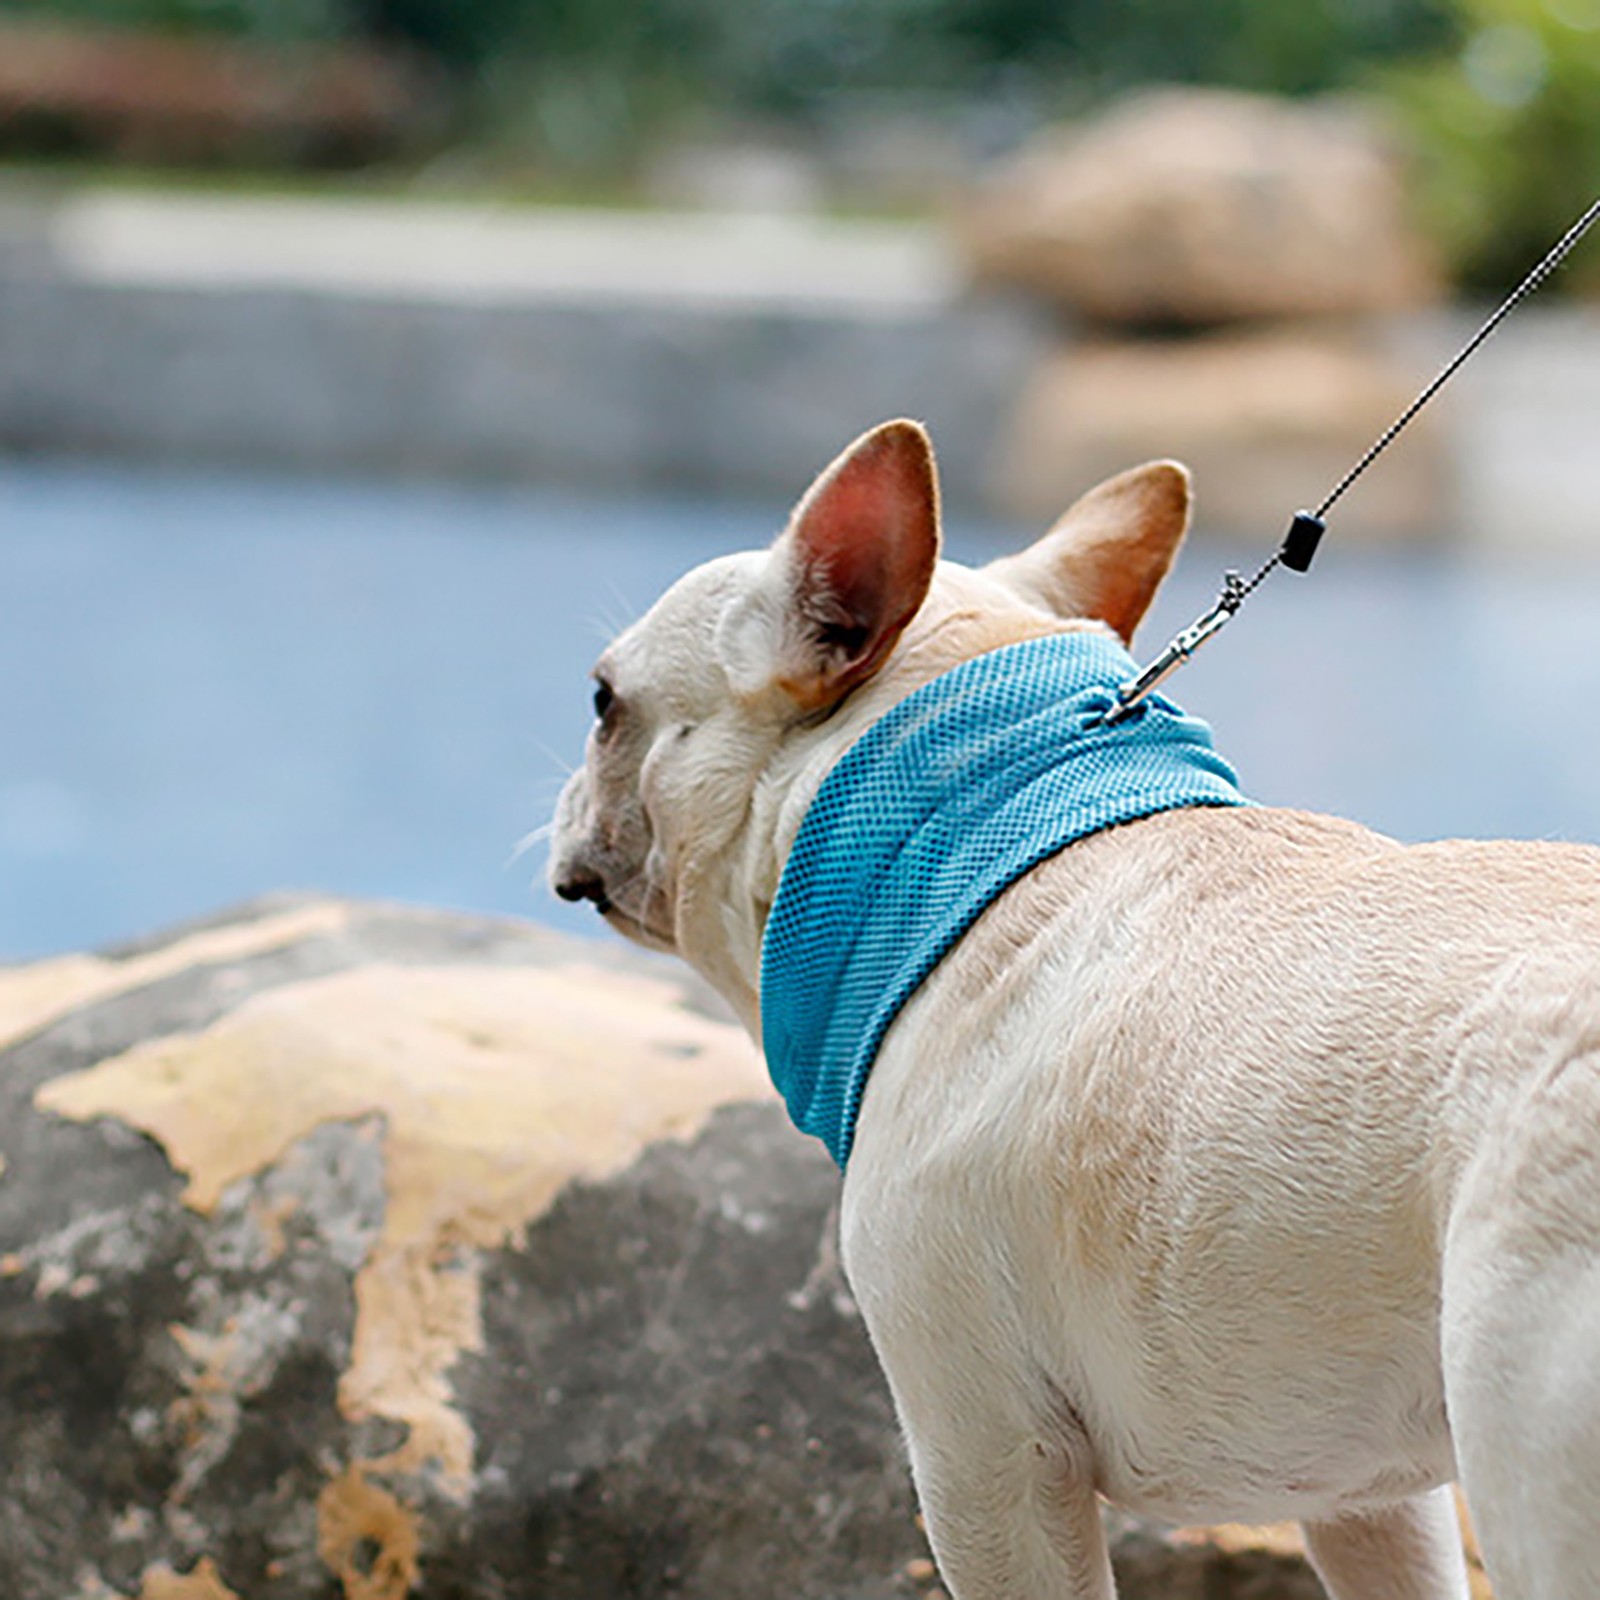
x=693, y=353
x=696, y=353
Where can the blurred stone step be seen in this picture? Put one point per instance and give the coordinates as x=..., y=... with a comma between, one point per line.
x=730, y=354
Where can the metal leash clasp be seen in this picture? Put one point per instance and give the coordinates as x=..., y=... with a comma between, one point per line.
x=1298, y=547
x=1181, y=648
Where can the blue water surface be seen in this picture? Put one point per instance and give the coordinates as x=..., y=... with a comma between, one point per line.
x=213, y=686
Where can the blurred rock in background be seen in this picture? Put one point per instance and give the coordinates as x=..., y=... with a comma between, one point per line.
x=1218, y=261
x=1267, y=419
x=1197, y=207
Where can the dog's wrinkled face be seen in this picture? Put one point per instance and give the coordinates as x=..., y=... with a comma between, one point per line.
x=669, y=741
x=717, y=712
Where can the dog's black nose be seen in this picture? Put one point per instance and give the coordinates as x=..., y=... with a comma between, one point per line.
x=582, y=883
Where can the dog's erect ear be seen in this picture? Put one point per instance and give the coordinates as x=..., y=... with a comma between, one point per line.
x=1107, y=556
x=859, y=555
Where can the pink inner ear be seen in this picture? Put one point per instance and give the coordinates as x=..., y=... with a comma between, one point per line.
x=866, y=538
x=854, y=542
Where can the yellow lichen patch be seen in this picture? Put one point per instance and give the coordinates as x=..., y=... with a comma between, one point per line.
x=204, y=1583
x=42, y=992
x=494, y=1088
x=367, y=1538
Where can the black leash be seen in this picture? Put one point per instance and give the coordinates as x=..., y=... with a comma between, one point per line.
x=1300, y=542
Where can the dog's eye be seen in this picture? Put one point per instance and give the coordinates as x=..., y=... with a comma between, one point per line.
x=604, y=698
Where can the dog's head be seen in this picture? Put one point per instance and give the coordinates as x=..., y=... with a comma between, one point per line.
x=721, y=710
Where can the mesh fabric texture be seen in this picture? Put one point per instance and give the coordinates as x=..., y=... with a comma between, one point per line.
x=950, y=797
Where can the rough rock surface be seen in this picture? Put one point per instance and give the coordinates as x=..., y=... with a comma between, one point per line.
x=1201, y=206
x=1267, y=420
x=348, y=1251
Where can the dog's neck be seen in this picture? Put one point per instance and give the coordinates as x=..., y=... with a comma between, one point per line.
x=943, y=803
x=724, y=908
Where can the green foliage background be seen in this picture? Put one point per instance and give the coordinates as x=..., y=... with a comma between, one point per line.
x=786, y=54
x=1507, y=131
x=1502, y=97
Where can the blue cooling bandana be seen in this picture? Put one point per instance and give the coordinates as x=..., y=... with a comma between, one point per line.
x=960, y=789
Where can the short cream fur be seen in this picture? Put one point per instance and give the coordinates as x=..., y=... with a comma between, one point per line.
x=1237, y=1165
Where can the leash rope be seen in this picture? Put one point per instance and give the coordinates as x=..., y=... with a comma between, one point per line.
x=1300, y=542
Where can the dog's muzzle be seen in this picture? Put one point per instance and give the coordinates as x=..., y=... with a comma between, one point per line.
x=579, y=882
x=573, y=873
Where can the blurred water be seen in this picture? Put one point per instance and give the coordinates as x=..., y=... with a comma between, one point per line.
x=213, y=686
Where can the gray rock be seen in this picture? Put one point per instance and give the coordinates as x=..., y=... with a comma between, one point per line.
x=663, y=1385
x=348, y=1250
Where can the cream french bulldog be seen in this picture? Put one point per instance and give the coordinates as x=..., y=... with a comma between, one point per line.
x=1232, y=1163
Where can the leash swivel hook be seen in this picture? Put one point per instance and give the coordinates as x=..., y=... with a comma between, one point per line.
x=1296, y=552
x=1178, y=651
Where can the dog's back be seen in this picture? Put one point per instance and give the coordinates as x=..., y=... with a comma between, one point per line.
x=1261, y=1081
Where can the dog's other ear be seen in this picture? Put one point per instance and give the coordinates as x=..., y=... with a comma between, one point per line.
x=858, y=554
x=1107, y=556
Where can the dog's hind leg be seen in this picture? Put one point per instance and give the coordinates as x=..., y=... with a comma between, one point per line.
x=1521, y=1339
x=1408, y=1551
x=1524, y=1393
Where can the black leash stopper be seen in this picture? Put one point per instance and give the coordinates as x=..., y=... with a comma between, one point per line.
x=1300, y=542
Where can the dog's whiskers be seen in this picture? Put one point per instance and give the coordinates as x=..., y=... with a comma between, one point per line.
x=537, y=836
x=557, y=760
x=607, y=624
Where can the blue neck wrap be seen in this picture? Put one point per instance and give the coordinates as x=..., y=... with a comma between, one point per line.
x=961, y=788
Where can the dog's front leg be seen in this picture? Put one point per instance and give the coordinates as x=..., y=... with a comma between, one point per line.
x=1010, y=1515
x=1408, y=1551
x=1004, y=1468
